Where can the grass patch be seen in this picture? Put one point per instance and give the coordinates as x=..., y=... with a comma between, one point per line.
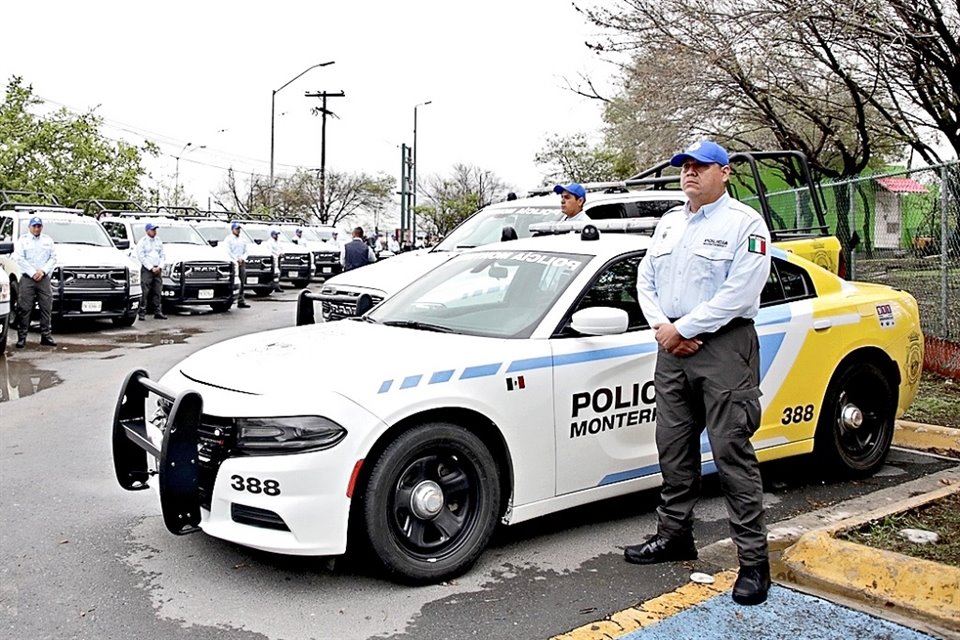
x=941, y=517
x=937, y=402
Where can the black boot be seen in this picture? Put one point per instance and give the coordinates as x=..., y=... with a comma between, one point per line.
x=657, y=549
x=752, y=584
x=21, y=342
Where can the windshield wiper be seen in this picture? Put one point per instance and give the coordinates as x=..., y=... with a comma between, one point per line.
x=413, y=324
x=466, y=246
x=364, y=319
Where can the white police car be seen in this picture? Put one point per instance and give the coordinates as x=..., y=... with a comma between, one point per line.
x=519, y=383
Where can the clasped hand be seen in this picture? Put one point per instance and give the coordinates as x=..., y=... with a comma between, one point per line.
x=675, y=344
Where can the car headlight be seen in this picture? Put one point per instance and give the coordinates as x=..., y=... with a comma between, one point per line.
x=293, y=434
x=134, y=277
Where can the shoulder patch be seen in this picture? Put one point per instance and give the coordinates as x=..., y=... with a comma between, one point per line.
x=757, y=244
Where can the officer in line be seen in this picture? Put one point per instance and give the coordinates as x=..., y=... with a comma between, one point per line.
x=572, y=198
x=151, y=257
x=237, y=250
x=36, y=256
x=276, y=250
x=356, y=253
x=699, y=286
x=298, y=235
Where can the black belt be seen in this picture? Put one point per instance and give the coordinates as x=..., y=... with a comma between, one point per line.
x=736, y=323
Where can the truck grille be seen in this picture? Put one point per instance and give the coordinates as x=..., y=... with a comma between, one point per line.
x=98, y=278
x=206, y=271
x=294, y=260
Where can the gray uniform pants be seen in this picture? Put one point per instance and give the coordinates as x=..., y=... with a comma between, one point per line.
x=31, y=290
x=718, y=389
x=151, y=286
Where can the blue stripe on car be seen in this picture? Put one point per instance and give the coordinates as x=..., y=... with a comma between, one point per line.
x=480, y=371
x=441, y=376
x=410, y=381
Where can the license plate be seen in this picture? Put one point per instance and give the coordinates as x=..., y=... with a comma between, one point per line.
x=91, y=306
x=252, y=280
x=292, y=274
x=326, y=270
x=206, y=294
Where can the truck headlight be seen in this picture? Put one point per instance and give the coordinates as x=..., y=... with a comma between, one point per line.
x=134, y=277
x=293, y=434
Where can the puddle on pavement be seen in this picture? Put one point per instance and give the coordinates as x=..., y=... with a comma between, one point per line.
x=19, y=379
x=98, y=343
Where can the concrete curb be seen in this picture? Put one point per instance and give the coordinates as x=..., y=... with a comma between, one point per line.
x=927, y=437
x=898, y=584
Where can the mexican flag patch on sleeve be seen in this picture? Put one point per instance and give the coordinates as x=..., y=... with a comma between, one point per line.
x=757, y=244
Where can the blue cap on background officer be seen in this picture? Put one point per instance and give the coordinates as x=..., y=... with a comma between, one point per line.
x=572, y=198
x=35, y=221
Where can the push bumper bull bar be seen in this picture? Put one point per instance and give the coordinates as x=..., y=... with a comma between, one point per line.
x=305, y=308
x=177, y=459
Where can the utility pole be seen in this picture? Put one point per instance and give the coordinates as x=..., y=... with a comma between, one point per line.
x=323, y=140
x=406, y=164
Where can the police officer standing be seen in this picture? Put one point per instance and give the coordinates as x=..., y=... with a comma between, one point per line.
x=699, y=286
x=36, y=256
x=237, y=249
x=356, y=253
x=572, y=198
x=151, y=257
x=276, y=251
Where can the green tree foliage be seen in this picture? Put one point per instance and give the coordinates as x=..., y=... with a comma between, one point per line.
x=344, y=195
x=574, y=159
x=448, y=200
x=62, y=153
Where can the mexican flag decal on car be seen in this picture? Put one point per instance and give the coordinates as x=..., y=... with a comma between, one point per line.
x=515, y=383
x=757, y=244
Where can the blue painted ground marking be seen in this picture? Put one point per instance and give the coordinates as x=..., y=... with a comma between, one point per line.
x=787, y=615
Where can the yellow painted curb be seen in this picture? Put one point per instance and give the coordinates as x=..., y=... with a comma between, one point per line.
x=911, y=586
x=652, y=611
x=915, y=435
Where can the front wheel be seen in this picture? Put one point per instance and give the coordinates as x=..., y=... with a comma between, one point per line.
x=431, y=503
x=220, y=307
x=856, y=425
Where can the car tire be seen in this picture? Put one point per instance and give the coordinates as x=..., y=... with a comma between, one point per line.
x=300, y=284
x=858, y=392
x=431, y=503
x=220, y=307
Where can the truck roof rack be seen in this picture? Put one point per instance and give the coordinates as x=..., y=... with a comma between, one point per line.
x=97, y=206
x=12, y=199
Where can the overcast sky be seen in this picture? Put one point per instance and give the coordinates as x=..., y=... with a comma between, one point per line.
x=203, y=72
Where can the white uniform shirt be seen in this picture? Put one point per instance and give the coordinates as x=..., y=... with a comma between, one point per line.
x=581, y=216
x=705, y=268
x=35, y=253
x=236, y=247
x=150, y=252
x=275, y=247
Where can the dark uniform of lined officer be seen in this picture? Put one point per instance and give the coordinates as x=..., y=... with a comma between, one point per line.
x=699, y=286
x=356, y=253
x=36, y=256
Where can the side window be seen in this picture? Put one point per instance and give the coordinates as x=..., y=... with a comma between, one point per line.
x=650, y=208
x=6, y=230
x=616, y=287
x=787, y=282
x=611, y=211
x=116, y=230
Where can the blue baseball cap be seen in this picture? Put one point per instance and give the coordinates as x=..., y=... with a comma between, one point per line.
x=705, y=151
x=235, y=225
x=572, y=188
x=150, y=226
x=35, y=220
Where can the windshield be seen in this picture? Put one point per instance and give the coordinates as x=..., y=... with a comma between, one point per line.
x=323, y=233
x=486, y=225
x=502, y=294
x=76, y=232
x=213, y=231
x=172, y=234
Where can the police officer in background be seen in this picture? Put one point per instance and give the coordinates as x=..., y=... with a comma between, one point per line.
x=572, y=198
x=276, y=250
x=36, y=256
x=237, y=250
x=356, y=253
x=151, y=257
x=699, y=286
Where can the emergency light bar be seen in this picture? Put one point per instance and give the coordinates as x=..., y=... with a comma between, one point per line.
x=617, y=225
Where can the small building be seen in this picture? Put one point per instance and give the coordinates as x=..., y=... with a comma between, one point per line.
x=890, y=221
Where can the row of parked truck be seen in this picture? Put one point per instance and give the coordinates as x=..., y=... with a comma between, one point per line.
x=97, y=275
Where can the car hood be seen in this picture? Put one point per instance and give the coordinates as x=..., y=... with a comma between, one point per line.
x=389, y=276
x=191, y=252
x=83, y=255
x=352, y=358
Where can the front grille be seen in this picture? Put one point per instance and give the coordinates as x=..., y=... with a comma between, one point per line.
x=216, y=441
x=263, y=518
x=340, y=310
x=326, y=258
x=93, y=278
x=206, y=271
x=294, y=260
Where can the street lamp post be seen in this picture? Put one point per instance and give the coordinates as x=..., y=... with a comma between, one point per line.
x=413, y=199
x=176, y=175
x=273, y=103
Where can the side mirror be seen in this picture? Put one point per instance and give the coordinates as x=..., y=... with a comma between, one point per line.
x=122, y=244
x=6, y=247
x=600, y=321
x=213, y=243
